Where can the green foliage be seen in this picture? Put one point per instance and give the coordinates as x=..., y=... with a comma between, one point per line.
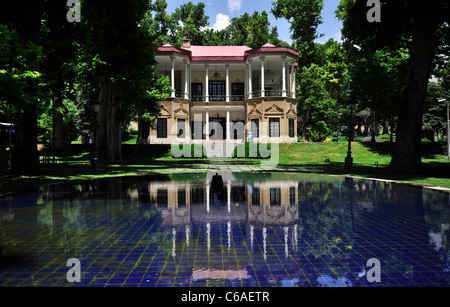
x=321, y=85
x=21, y=89
x=304, y=17
x=435, y=114
x=190, y=21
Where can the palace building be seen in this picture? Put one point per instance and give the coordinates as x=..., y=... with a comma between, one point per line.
x=227, y=93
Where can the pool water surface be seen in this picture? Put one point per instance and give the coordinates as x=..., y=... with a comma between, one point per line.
x=235, y=229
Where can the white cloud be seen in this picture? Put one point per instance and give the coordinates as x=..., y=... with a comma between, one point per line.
x=222, y=21
x=234, y=5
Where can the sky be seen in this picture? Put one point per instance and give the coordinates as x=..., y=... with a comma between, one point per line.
x=220, y=13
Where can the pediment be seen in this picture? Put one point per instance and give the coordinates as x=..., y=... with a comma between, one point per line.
x=164, y=111
x=254, y=112
x=181, y=111
x=291, y=111
x=274, y=109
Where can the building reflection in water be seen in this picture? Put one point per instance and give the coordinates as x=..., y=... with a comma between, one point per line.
x=256, y=205
x=244, y=230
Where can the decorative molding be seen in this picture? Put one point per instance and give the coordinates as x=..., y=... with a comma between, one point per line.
x=274, y=109
x=165, y=112
x=291, y=111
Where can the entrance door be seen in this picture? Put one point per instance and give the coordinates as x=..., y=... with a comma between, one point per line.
x=217, y=128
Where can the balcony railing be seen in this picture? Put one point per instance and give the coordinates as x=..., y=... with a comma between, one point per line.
x=234, y=98
x=201, y=98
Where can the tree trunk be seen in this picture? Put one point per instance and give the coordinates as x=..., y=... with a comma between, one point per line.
x=374, y=128
x=104, y=98
x=407, y=151
x=114, y=125
x=24, y=155
x=109, y=140
x=391, y=137
x=143, y=130
x=386, y=126
x=58, y=127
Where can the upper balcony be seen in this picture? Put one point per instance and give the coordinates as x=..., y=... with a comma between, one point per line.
x=228, y=74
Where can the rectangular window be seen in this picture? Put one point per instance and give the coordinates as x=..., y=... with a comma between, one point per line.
x=181, y=128
x=181, y=197
x=274, y=127
x=275, y=196
x=162, y=198
x=197, y=91
x=291, y=127
x=161, y=128
x=237, y=91
x=255, y=128
x=217, y=90
x=256, y=198
x=292, y=196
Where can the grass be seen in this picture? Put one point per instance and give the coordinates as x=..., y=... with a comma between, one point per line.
x=370, y=160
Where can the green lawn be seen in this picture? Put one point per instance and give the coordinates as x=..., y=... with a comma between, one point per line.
x=370, y=160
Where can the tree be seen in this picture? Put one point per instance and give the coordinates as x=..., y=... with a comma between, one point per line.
x=258, y=30
x=416, y=24
x=189, y=20
x=304, y=17
x=435, y=113
x=322, y=84
x=316, y=106
x=58, y=66
x=379, y=80
x=23, y=18
x=119, y=57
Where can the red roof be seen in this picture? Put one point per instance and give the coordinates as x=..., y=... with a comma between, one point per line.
x=224, y=53
x=215, y=53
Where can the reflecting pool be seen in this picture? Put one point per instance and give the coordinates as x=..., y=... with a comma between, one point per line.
x=226, y=229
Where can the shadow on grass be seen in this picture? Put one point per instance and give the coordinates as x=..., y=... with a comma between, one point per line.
x=429, y=169
x=154, y=159
x=429, y=150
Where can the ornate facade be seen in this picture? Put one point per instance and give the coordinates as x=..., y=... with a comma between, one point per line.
x=227, y=93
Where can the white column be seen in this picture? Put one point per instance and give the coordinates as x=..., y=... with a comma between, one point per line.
x=187, y=231
x=246, y=82
x=207, y=197
x=208, y=236
x=207, y=123
x=228, y=123
x=293, y=80
x=229, y=235
x=227, y=83
x=263, y=91
x=229, y=197
x=283, y=68
x=286, y=241
x=207, y=83
x=265, y=243
x=174, y=243
x=186, y=75
x=250, y=89
x=172, y=75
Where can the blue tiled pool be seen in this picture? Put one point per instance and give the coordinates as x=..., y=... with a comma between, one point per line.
x=244, y=230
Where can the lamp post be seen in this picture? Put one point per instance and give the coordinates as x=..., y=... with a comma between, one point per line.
x=349, y=160
x=448, y=126
x=95, y=104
